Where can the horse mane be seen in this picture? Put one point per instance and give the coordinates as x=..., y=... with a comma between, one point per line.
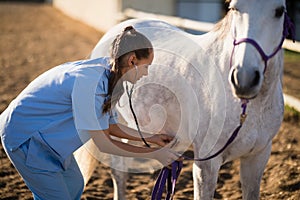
x=223, y=26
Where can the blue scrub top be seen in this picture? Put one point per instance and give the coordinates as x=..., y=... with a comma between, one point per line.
x=54, y=108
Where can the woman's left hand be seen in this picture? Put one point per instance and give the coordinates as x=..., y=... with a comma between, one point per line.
x=160, y=139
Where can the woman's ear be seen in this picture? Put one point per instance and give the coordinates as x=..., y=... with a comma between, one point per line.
x=132, y=60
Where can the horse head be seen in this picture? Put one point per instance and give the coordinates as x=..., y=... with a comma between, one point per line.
x=257, y=32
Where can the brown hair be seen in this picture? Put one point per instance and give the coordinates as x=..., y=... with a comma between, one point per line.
x=127, y=42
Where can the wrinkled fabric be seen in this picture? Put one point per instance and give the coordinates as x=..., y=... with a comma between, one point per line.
x=51, y=109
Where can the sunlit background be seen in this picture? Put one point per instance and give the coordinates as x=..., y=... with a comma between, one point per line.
x=37, y=35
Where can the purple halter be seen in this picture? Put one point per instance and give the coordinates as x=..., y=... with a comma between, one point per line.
x=288, y=29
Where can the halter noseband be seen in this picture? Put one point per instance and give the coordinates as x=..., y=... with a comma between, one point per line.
x=288, y=29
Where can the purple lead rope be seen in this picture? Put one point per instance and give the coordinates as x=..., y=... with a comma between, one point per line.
x=169, y=174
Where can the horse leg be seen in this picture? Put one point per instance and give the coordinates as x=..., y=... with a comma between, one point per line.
x=205, y=176
x=119, y=183
x=252, y=169
x=119, y=178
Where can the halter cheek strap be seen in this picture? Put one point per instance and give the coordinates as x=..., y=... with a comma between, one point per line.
x=288, y=29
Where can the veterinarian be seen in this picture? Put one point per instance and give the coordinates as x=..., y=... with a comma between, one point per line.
x=69, y=104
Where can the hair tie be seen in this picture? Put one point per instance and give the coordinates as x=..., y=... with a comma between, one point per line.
x=128, y=28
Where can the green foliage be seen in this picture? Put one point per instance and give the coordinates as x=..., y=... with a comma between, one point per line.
x=291, y=115
x=291, y=56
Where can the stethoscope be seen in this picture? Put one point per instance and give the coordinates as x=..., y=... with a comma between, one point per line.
x=129, y=94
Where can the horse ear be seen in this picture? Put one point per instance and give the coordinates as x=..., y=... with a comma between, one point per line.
x=289, y=28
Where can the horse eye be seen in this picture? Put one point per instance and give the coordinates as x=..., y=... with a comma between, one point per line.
x=279, y=11
x=233, y=8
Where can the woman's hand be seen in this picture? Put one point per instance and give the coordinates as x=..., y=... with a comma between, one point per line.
x=160, y=139
x=165, y=156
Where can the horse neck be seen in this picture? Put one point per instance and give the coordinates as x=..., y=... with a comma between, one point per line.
x=217, y=47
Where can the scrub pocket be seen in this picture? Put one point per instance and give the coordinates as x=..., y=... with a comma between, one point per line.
x=40, y=155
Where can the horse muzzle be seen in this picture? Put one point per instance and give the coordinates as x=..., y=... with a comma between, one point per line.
x=246, y=82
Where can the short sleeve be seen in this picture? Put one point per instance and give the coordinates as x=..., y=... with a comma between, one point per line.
x=113, y=117
x=102, y=118
x=100, y=97
x=87, y=109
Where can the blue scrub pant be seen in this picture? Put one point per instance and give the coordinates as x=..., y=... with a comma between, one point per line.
x=46, y=185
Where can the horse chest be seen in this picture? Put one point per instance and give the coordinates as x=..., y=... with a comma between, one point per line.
x=257, y=132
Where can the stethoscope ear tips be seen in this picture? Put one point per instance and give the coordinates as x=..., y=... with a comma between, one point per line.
x=134, y=65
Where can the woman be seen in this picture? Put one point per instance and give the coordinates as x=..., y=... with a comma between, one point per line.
x=64, y=107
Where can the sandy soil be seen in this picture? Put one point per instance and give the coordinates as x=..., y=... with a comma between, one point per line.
x=36, y=37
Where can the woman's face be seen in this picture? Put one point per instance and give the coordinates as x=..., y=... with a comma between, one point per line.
x=137, y=68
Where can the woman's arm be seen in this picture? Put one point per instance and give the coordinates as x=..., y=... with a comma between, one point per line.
x=121, y=131
x=107, y=145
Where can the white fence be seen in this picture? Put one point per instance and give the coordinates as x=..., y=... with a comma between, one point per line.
x=192, y=25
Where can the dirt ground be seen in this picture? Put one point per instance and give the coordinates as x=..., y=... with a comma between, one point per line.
x=36, y=37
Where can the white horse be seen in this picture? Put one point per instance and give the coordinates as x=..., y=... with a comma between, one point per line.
x=196, y=82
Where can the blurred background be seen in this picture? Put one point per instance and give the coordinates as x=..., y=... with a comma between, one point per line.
x=37, y=35
x=115, y=10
